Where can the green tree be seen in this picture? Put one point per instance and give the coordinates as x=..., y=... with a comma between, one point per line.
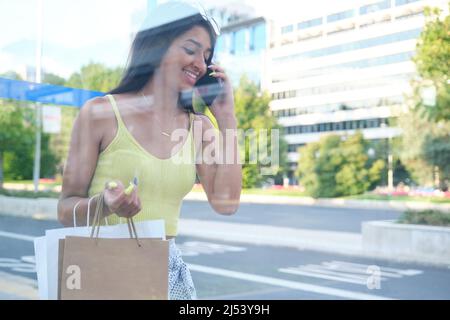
x=424, y=147
x=95, y=76
x=12, y=131
x=17, y=138
x=433, y=63
x=253, y=113
x=318, y=165
x=437, y=154
x=338, y=166
x=52, y=78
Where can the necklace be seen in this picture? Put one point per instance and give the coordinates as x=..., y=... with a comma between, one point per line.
x=164, y=133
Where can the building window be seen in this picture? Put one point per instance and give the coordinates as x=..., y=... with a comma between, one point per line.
x=355, y=45
x=375, y=7
x=252, y=39
x=233, y=43
x=219, y=44
x=403, y=2
x=259, y=37
x=340, y=16
x=287, y=29
x=240, y=41
x=310, y=23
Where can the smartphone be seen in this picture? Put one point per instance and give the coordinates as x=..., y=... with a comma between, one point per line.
x=207, y=87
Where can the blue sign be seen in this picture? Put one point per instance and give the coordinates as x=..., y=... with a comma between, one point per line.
x=45, y=93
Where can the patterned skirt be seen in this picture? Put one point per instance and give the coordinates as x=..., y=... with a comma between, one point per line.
x=181, y=286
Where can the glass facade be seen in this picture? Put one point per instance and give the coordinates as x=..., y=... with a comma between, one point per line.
x=240, y=43
x=375, y=7
x=403, y=2
x=340, y=15
x=287, y=29
x=259, y=37
x=344, y=86
x=355, y=45
x=359, y=64
x=336, y=126
x=310, y=23
x=343, y=105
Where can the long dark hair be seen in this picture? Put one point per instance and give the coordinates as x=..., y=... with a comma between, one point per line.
x=150, y=45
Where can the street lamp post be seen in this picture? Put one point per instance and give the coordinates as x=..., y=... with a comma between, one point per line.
x=37, y=152
x=390, y=159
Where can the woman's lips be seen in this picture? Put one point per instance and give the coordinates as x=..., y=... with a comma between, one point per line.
x=191, y=80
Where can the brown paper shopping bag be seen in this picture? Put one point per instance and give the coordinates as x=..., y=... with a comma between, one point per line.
x=100, y=268
x=114, y=269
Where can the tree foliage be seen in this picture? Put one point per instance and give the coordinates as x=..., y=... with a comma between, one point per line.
x=433, y=64
x=253, y=115
x=338, y=166
x=95, y=76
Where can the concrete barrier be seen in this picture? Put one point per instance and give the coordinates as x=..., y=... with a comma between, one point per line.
x=39, y=208
x=407, y=242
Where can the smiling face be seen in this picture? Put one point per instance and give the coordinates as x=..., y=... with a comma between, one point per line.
x=186, y=59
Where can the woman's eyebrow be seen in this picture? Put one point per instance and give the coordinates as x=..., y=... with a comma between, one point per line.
x=198, y=44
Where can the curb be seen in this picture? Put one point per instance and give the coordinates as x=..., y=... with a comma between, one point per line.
x=337, y=203
x=46, y=208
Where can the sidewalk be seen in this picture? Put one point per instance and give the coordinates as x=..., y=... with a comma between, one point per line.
x=340, y=203
x=14, y=287
x=50, y=203
x=337, y=242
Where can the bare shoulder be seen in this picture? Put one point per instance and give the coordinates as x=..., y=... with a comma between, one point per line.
x=96, y=118
x=96, y=109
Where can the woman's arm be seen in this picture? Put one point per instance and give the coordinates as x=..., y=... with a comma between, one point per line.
x=81, y=163
x=219, y=170
x=222, y=178
x=87, y=135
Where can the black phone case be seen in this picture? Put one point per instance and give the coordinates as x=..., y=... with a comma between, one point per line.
x=209, y=88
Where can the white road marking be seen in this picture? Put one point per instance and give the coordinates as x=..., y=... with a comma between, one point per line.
x=16, y=236
x=323, y=276
x=357, y=270
x=195, y=248
x=286, y=283
x=17, y=265
x=407, y=272
x=349, y=272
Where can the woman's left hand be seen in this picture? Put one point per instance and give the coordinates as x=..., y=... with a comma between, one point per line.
x=223, y=106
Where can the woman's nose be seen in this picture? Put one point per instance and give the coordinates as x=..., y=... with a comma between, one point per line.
x=200, y=65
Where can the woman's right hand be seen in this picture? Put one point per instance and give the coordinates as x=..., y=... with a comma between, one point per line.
x=118, y=202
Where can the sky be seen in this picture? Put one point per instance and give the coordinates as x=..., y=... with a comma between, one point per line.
x=76, y=32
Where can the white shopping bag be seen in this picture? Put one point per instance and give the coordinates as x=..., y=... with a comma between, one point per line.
x=40, y=252
x=47, y=249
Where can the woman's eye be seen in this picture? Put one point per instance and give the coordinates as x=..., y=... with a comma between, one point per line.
x=188, y=51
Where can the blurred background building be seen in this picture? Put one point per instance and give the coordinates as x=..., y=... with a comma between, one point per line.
x=344, y=69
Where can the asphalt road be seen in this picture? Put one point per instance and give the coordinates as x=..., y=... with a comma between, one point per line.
x=293, y=216
x=224, y=270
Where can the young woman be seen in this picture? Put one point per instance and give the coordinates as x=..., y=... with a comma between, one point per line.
x=134, y=132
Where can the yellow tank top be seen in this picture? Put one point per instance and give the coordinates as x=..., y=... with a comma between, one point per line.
x=163, y=183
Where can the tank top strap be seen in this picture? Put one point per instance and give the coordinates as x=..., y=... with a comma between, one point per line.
x=191, y=133
x=120, y=122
